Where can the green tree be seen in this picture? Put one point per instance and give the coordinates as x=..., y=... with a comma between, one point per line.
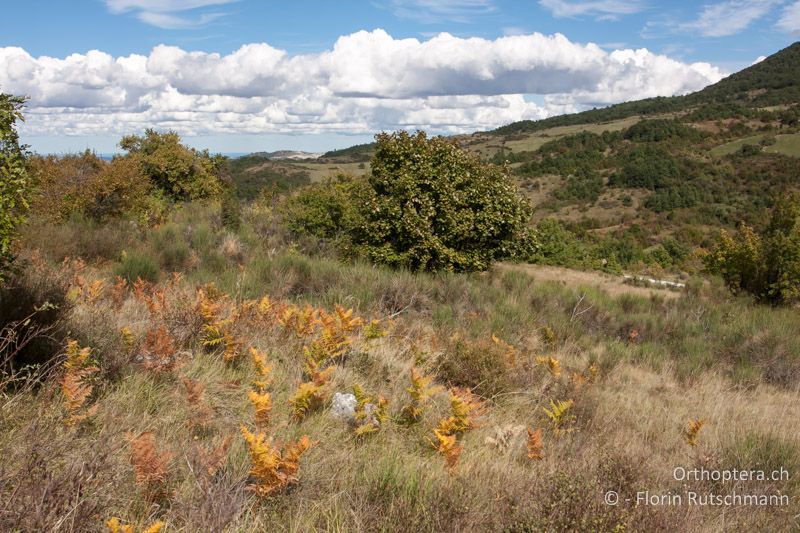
x=182, y=173
x=432, y=206
x=14, y=183
x=766, y=265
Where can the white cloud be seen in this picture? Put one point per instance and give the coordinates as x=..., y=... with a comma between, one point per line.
x=790, y=18
x=429, y=11
x=729, y=17
x=600, y=8
x=366, y=82
x=168, y=14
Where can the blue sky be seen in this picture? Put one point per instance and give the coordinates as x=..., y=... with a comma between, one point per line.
x=318, y=75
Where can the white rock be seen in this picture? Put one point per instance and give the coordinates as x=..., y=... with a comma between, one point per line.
x=343, y=406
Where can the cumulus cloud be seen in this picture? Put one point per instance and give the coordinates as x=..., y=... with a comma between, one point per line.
x=168, y=14
x=601, y=8
x=730, y=17
x=790, y=18
x=366, y=82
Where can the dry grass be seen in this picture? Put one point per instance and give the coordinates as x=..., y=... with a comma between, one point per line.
x=513, y=340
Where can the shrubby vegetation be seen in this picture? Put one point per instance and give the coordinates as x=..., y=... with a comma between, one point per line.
x=179, y=172
x=646, y=166
x=157, y=170
x=14, y=182
x=766, y=265
x=427, y=205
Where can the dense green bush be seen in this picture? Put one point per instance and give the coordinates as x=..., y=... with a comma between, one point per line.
x=432, y=206
x=182, y=173
x=661, y=130
x=329, y=210
x=649, y=167
x=766, y=265
x=14, y=184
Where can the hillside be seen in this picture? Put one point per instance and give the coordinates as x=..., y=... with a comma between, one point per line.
x=774, y=81
x=641, y=186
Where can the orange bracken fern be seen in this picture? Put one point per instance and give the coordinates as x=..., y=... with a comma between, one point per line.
x=272, y=469
x=534, y=444
x=151, y=467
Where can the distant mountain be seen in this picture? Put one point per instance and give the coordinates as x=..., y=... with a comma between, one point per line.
x=774, y=81
x=284, y=155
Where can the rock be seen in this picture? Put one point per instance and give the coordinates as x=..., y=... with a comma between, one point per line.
x=343, y=406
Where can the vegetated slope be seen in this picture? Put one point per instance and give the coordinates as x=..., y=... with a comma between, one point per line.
x=651, y=188
x=644, y=186
x=574, y=392
x=774, y=81
x=254, y=172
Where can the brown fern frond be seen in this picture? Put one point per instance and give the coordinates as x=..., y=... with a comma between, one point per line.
x=161, y=354
x=119, y=291
x=534, y=444
x=448, y=446
x=214, y=458
x=114, y=526
x=692, y=431
x=199, y=412
x=262, y=404
x=420, y=392
x=95, y=291
x=263, y=370
x=151, y=467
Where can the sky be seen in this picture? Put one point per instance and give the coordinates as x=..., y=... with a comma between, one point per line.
x=252, y=75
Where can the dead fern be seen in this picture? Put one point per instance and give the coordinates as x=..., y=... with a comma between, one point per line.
x=160, y=353
x=551, y=364
x=213, y=459
x=534, y=444
x=370, y=413
x=76, y=386
x=114, y=526
x=200, y=413
x=692, y=431
x=465, y=407
x=448, y=446
x=151, y=467
x=262, y=368
x=272, y=468
x=420, y=392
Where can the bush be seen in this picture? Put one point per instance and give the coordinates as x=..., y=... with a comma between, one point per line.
x=85, y=185
x=648, y=167
x=766, y=265
x=328, y=210
x=477, y=365
x=136, y=266
x=180, y=172
x=14, y=184
x=432, y=206
x=230, y=211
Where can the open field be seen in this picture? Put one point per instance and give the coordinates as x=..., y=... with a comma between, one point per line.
x=786, y=144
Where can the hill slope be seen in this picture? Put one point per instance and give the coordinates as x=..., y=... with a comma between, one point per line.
x=774, y=81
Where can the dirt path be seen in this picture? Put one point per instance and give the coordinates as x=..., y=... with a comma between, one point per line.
x=613, y=285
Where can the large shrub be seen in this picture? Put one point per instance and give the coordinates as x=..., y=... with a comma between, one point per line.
x=14, y=183
x=180, y=172
x=85, y=185
x=432, y=206
x=328, y=210
x=766, y=265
